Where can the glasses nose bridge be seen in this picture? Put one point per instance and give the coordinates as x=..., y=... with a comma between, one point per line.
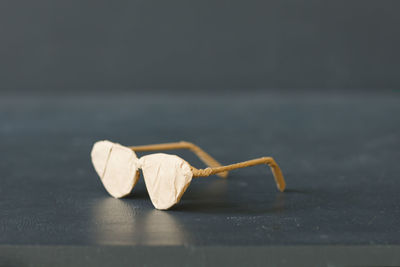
x=139, y=163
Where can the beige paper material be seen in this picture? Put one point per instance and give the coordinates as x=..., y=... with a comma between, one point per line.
x=116, y=166
x=166, y=177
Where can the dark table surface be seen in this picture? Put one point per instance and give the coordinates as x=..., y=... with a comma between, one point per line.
x=339, y=153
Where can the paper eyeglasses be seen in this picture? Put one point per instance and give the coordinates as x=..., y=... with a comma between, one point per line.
x=166, y=176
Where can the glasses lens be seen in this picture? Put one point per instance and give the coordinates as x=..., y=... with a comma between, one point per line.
x=166, y=177
x=116, y=166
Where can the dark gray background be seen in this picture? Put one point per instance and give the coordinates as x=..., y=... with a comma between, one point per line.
x=123, y=45
x=141, y=72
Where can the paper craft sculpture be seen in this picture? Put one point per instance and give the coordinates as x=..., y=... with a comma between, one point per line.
x=166, y=176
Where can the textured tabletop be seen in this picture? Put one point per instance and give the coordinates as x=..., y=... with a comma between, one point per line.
x=339, y=153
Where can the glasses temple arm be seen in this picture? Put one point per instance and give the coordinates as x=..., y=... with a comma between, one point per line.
x=276, y=171
x=200, y=153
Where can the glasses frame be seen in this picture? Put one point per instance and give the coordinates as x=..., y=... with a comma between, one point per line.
x=213, y=166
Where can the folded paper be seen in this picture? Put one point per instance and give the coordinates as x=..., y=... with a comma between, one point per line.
x=166, y=176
